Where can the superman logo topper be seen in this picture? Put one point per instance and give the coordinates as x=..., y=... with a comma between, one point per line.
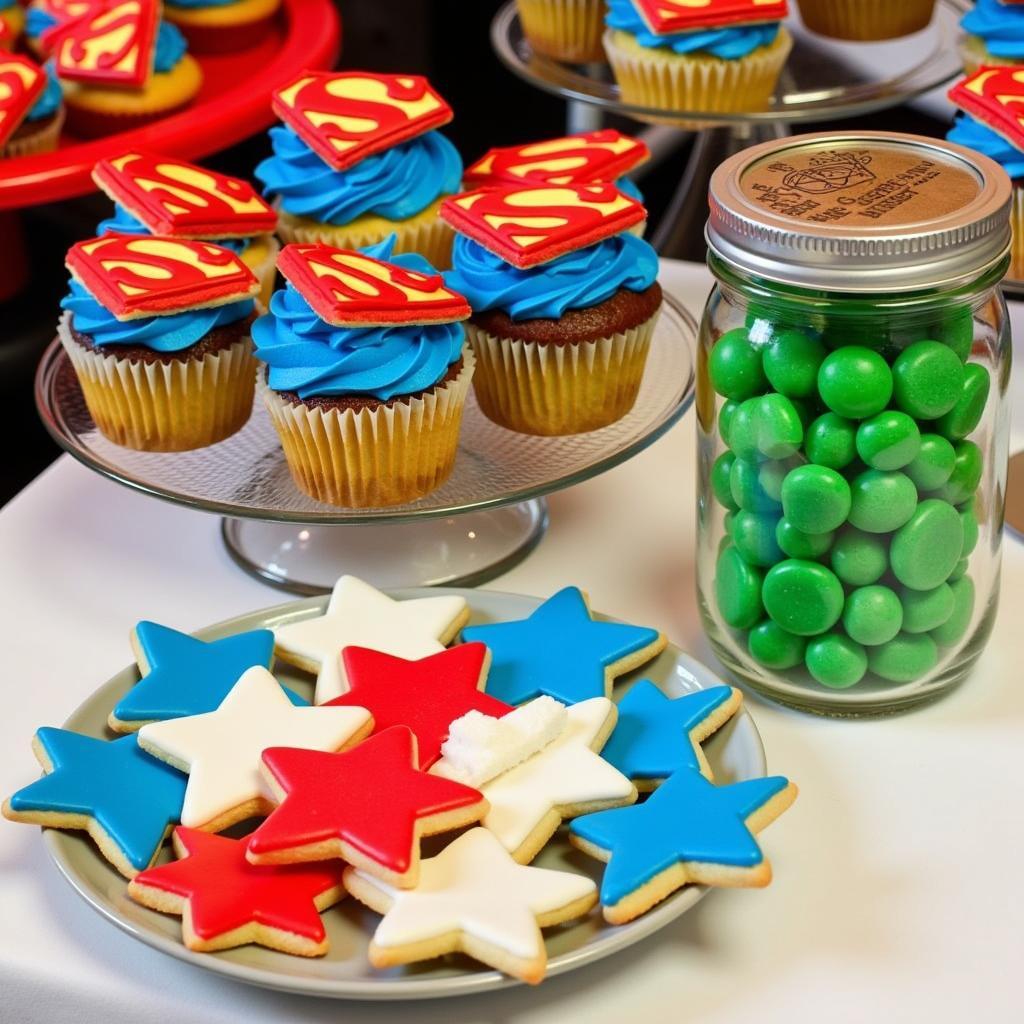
x=62, y=11
x=21, y=83
x=108, y=45
x=664, y=17
x=995, y=95
x=348, y=115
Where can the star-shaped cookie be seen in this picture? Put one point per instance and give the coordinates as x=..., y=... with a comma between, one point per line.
x=562, y=651
x=225, y=901
x=359, y=615
x=221, y=750
x=473, y=898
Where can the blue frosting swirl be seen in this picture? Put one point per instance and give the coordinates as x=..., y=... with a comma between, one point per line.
x=49, y=100
x=1001, y=26
x=5, y=4
x=306, y=355
x=574, y=281
x=970, y=132
x=37, y=21
x=170, y=48
x=397, y=183
x=628, y=187
x=161, y=333
x=125, y=223
x=729, y=43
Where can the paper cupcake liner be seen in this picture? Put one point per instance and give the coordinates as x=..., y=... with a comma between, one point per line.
x=866, y=20
x=165, y=407
x=567, y=30
x=659, y=78
x=265, y=269
x=43, y=141
x=559, y=389
x=1016, y=269
x=224, y=28
x=975, y=56
x=369, y=458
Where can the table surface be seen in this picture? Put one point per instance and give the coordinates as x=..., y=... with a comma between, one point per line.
x=898, y=891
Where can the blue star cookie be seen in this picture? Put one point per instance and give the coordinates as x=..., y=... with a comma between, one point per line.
x=658, y=735
x=183, y=676
x=125, y=799
x=688, y=830
x=559, y=650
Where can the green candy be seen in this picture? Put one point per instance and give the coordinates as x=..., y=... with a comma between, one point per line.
x=798, y=544
x=969, y=521
x=725, y=415
x=933, y=464
x=859, y=559
x=720, y=473
x=925, y=610
x=743, y=430
x=831, y=441
x=802, y=597
x=889, y=440
x=966, y=475
x=778, y=427
x=927, y=379
x=908, y=656
x=953, y=630
x=959, y=570
x=770, y=645
x=738, y=590
x=855, y=382
x=966, y=414
x=925, y=550
x=735, y=366
x=815, y=499
x=956, y=329
x=872, y=615
x=746, y=489
x=791, y=363
x=880, y=501
x=836, y=661
x=772, y=474
x=754, y=536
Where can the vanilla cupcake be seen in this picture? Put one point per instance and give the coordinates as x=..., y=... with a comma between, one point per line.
x=866, y=20
x=12, y=14
x=568, y=30
x=222, y=26
x=994, y=35
x=39, y=132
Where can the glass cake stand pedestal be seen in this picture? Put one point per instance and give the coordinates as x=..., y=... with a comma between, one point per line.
x=486, y=517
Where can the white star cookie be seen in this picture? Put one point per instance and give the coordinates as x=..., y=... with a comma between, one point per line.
x=221, y=750
x=568, y=777
x=473, y=898
x=359, y=615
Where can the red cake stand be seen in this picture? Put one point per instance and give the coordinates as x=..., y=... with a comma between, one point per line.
x=233, y=103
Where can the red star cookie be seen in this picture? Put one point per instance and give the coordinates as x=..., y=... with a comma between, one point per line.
x=111, y=44
x=663, y=17
x=427, y=695
x=21, y=82
x=225, y=901
x=995, y=96
x=368, y=805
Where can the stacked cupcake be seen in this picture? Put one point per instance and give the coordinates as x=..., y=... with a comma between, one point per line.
x=31, y=111
x=567, y=30
x=995, y=34
x=866, y=20
x=222, y=26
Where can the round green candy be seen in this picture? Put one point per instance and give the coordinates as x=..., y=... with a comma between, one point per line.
x=754, y=536
x=720, y=473
x=746, y=488
x=969, y=521
x=966, y=414
x=925, y=610
x=725, y=415
x=956, y=330
x=735, y=366
x=738, y=590
x=743, y=430
x=925, y=550
x=908, y=656
x=791, y=363
x=880, y=501
x=802, y=597
x=831, y=441
x=859, y=559
x=966, y=475
x=770, y=645
x=797, y=544
x=815, y=499
x=836, y=661
x=779, y=429
x=933, y=464
x=959, y=570
x=953, y=630
x=772, y=474
x=855, y=382
x=889, y=440
x=872, y=615
x=927, y=378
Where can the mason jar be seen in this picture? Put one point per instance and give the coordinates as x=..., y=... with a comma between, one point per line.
x=852, y=421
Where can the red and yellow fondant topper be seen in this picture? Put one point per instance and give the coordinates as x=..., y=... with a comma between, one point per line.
x=574, y=159
x=145, y=275
x=531, y=225
x=174, y=198
x=995, y=95
x=664, y=17
x=21, y=82
x=62, y=11
x=109, y=45
x=350, y=289
x=348, y=115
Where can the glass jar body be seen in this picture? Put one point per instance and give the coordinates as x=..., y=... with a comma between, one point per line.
x=852, y=456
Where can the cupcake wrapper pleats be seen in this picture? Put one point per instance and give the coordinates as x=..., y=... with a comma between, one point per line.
x=567, y=30
x=866, y=20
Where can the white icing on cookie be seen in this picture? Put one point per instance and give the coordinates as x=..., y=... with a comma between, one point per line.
x=222, y=749
x=359, y=615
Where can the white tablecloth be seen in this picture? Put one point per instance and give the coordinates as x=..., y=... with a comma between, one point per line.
x=898, y=891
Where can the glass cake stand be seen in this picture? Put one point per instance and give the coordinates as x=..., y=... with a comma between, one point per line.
x=486, y=517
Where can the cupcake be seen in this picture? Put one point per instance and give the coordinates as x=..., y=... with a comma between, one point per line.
x=12, y=14
x=158, y=332
x=866, y=20
x=164, y=196
x=688, y=61
x=222, y=26
x=995, y=35
x=563, y=316
x=365, y=373
x=39, y=132
x=384, y=173
x=567, y=30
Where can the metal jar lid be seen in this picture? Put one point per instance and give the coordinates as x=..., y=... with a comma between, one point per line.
x=860, y=212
